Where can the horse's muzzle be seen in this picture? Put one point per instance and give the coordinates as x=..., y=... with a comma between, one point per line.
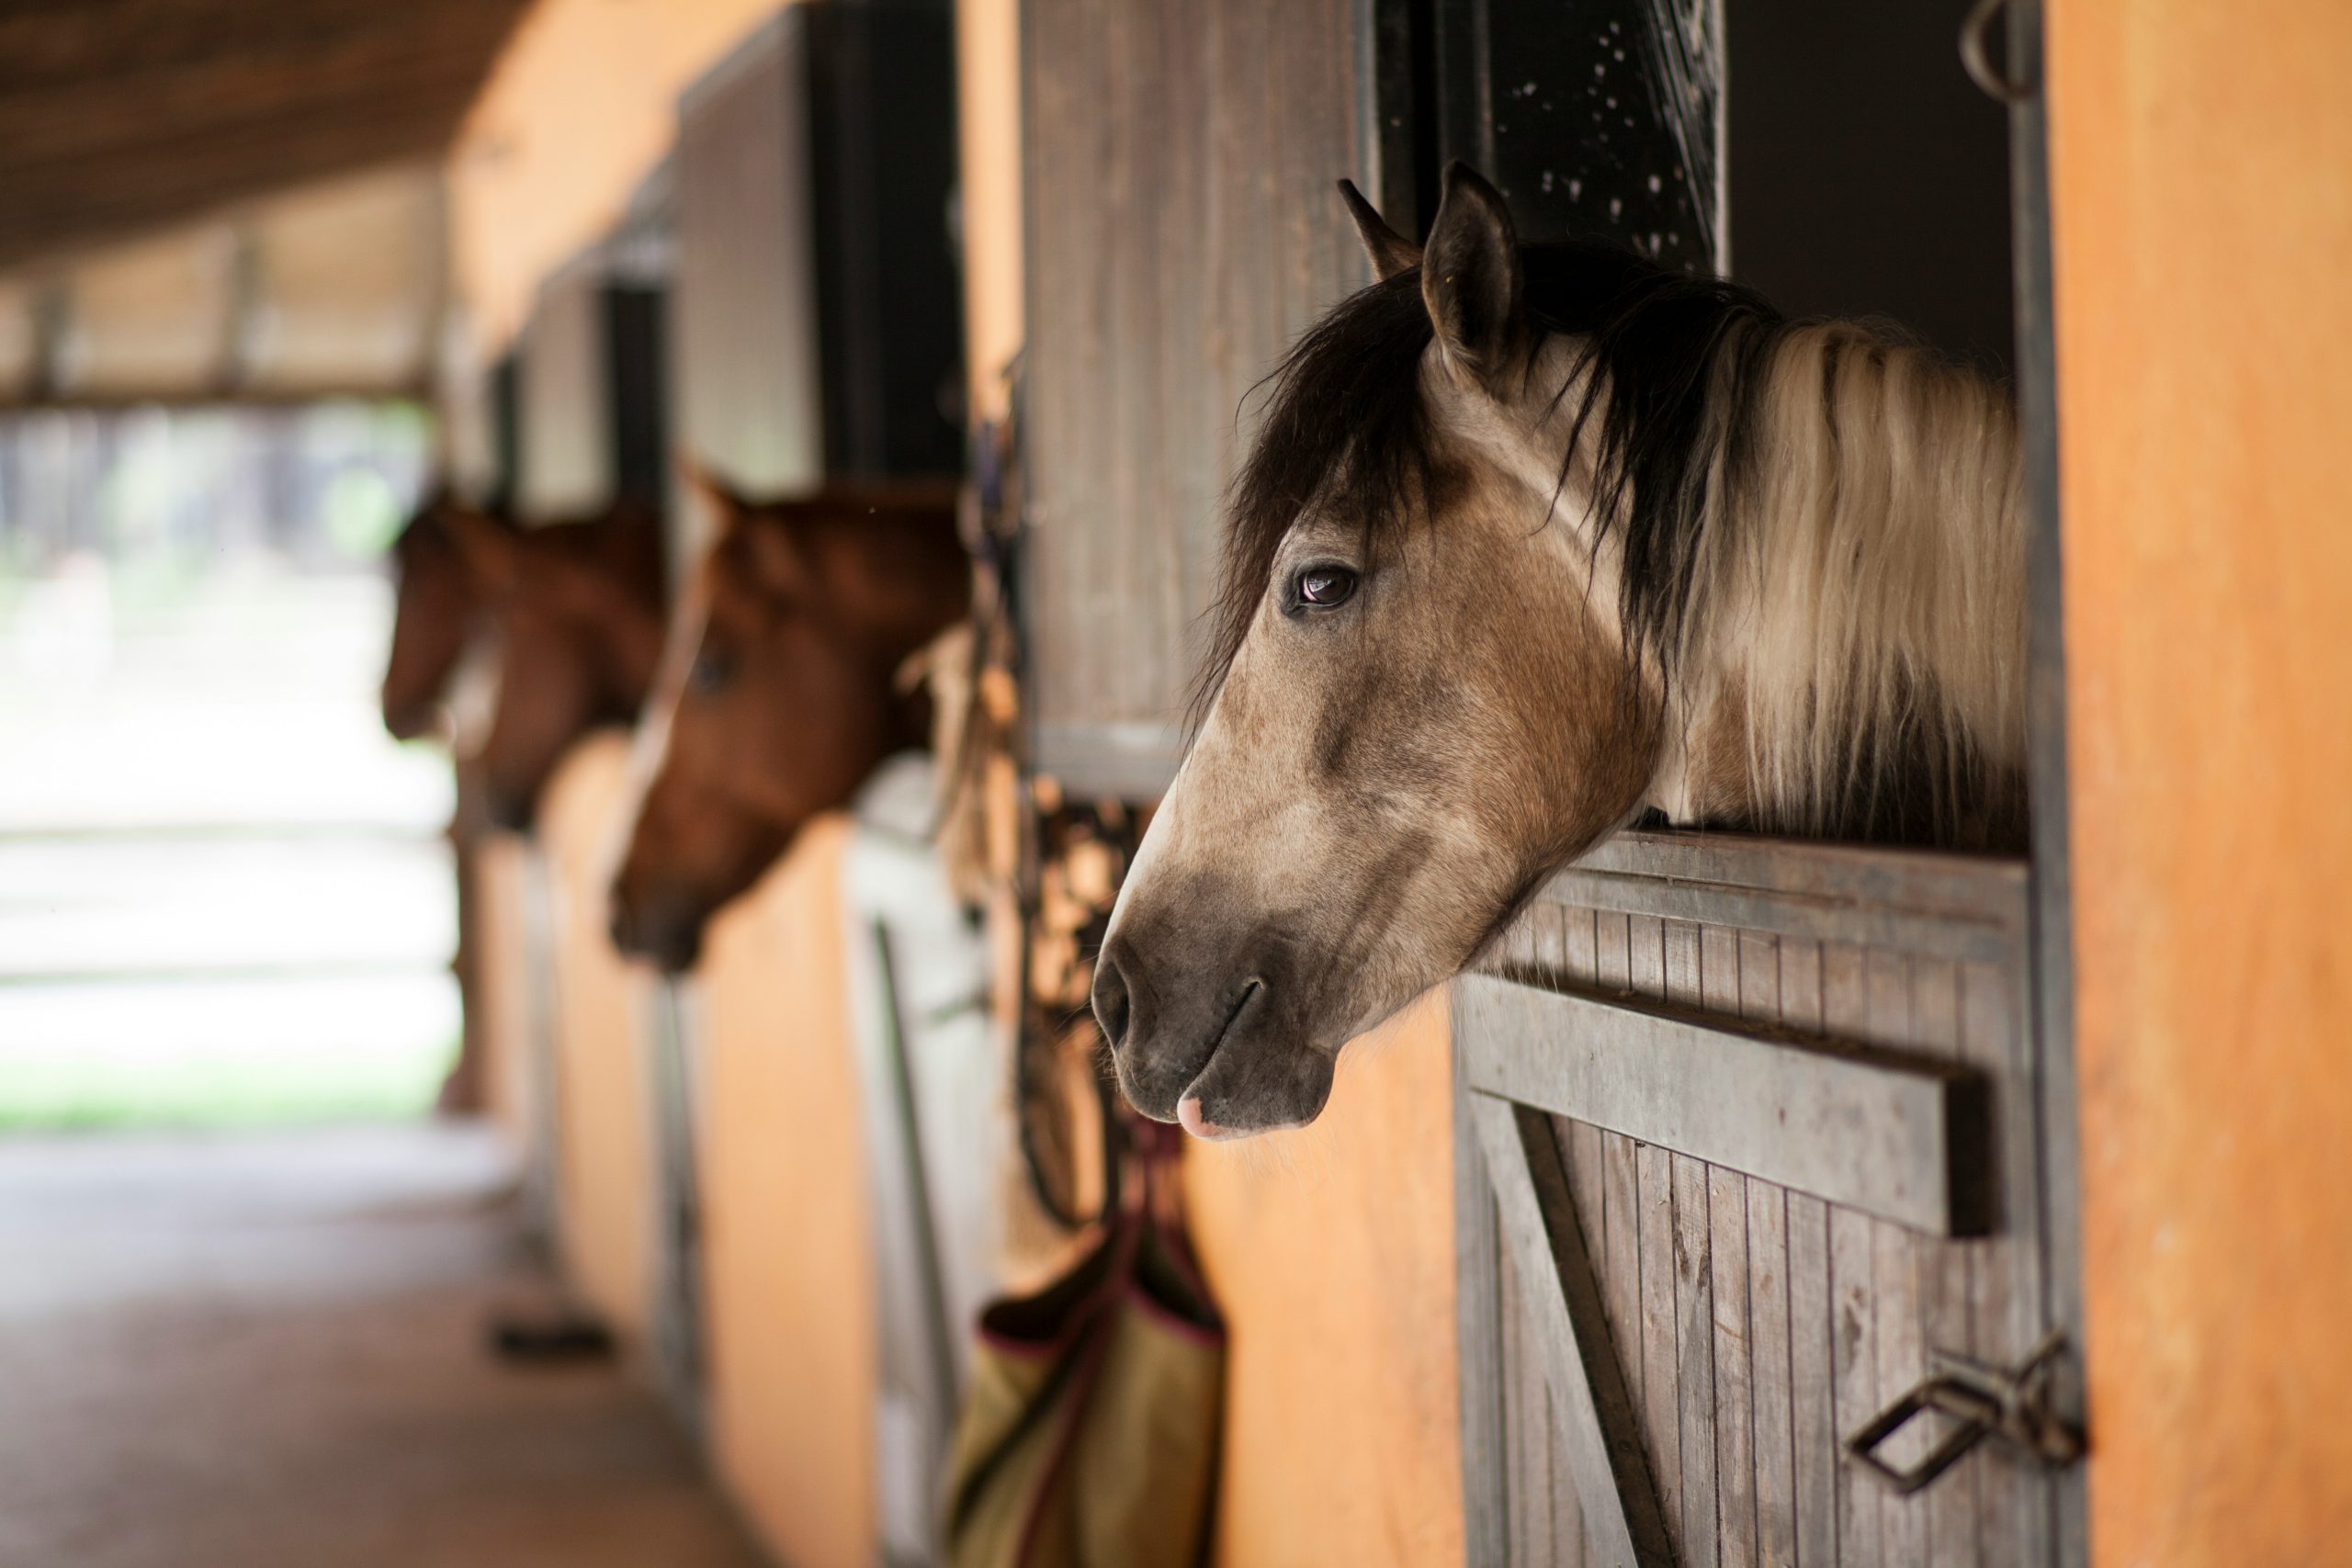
x=1220, y=1056
x=666, y=932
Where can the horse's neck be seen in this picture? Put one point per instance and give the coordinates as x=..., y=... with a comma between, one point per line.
x=1857, y=641
x=911, y=577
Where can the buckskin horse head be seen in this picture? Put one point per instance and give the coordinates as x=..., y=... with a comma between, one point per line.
x=782, y=691
x=438, y=605
x=579, y=608
x=1535, y=539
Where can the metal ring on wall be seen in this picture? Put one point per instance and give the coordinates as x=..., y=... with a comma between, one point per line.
x=1977, y=60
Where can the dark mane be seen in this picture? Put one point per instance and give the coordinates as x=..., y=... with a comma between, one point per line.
x=1345, y=420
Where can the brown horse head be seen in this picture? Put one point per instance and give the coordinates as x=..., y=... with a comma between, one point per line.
x=1533, y=538
x=578, y=609
x=434, y=615
x=782, y=694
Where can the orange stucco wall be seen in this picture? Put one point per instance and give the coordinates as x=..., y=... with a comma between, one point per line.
x=1331, y=1251
x=502, y=986
x=787, y=1264
x=606, y=1229
x=988, y=106
x=2202, y=201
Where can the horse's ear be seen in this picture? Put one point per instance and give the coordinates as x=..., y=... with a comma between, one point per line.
x=726, y=504
x=1391, y=253
x=1470, y=277
x=490, y=546
x=778, y=555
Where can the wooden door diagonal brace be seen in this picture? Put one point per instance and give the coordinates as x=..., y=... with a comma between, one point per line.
x=1595, y=1415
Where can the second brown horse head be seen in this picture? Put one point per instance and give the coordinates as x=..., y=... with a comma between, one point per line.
x=782, y=692
x=579, y=608
x=439, y=600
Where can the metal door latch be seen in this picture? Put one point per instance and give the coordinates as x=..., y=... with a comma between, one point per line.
x=2012, y=1403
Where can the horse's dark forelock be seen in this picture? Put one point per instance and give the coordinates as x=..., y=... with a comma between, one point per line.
x=1345, y=424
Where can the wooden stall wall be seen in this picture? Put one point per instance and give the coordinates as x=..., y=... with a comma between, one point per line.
x=1181, y=227
x=787, y=1256
x=2202, y=211
x=1330, y=1251
x=606, y=1230
x=1181, y=230
x=1782, y=1098
x=508, y=882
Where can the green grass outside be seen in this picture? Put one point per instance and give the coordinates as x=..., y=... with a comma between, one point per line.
x=217, y=1088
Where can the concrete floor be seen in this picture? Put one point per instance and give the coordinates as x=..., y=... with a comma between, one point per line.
x=265, y=1351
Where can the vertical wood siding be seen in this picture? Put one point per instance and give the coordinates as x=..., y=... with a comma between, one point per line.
x=1183, y=229
x=1758, y=1325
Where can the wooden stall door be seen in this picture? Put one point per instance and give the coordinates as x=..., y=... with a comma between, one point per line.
x=1183, y=229
x=1745, y=1137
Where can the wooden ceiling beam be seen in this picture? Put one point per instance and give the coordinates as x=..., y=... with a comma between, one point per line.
x=119, y=116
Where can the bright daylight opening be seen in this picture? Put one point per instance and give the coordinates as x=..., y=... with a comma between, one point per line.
x=225, y=897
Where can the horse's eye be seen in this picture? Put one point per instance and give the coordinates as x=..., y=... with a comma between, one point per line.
x=709, y=672
x=1325, y=586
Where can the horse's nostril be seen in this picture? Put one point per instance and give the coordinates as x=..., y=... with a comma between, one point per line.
x=665, y=930
x=1111, y=1000
x=507, y=809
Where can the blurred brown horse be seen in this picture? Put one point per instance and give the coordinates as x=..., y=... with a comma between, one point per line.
x=438, y=609
x=783, y=691
x=579, y=608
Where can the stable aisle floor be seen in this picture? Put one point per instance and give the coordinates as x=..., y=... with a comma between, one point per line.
x=265, y=1351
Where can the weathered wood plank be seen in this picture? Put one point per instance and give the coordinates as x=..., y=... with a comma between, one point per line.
x=1645, y=964
x=1772, y=1407
x=1951, y=1503
x=1984, y=936
x=1538, y=1224
x=1812, y=1420
x=1695, y=1325
x=1861, y=1129
x=1960, y=887
x=1192, y=232
x=1733, y=1370
x=1551, y=955
x=1853, y=1371
x=1680, y=947
x=1734, y=1463
x=1613, y=949
x=2015, y=1501
x=1895, y=1302
x=1581, y=1144
x=1527, y=1426
x=1661, y=1406
x=1581, y=958
x=1771, y=1402
x=1853, y=1378
x=1902, y=1357
x=1620, y=1279
x=1523, y=1489
x=1567, y=1543
x=1478, y=1316
x=1694, y=1293
x=1801, y=985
